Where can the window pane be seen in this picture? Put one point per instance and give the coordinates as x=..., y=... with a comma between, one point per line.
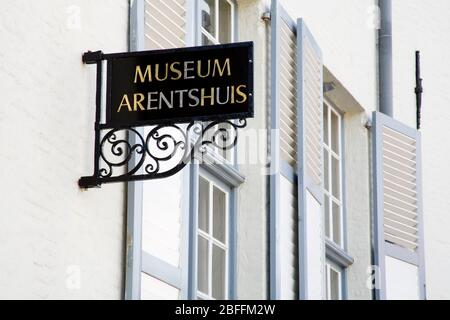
x=336, y=224
x=209, y=16
x=327, y=216
x=334, y=132
x=325, y=124
x=219, y=208
x=335, y=178
x=326, y=165
x=202, y=265
x=203, y=205
x=206, y=41
x=224, y=21
x=218, y=273
x=334, y=285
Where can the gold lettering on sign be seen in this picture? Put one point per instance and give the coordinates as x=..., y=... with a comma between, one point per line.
x=125, y=102
x=203, y=97
x=193, y=97
x=163, y=97
x=138, y=99
x=173, y=69
x=199, y=69
x=221, y=71
x=147, y=74
x=158, y=76
x=241, y=94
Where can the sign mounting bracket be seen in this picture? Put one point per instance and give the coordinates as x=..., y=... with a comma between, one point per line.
x=164, y=147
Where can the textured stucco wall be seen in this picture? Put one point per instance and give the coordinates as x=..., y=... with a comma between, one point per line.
x=346, y=33
x=252, y=231
x=424, y=26
x=357, y=195
x=57, y=241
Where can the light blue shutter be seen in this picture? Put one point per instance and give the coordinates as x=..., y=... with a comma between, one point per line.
x=296, y=152
x=156, y=24
x=398, y=231
x=283, y=195
x=310, y=164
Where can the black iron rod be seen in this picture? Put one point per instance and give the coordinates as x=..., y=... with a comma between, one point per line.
x=98, y=105
x=418, y=91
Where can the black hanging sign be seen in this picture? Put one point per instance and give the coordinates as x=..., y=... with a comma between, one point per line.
x=180, y=85
x=204, y=87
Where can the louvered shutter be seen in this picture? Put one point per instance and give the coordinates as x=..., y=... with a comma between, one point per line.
x=283, y=196
x=310, y=164
x=155, y=257
x=398, y=210
x=165, y=24
x=297, y=243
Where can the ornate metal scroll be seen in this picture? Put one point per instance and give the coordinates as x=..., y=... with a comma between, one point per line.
x=130, y=154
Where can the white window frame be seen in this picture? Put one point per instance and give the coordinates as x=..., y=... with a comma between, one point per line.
x=205, y=32
x=226, y=155
x=213, y=182
x=330, y=266
x=329, y=194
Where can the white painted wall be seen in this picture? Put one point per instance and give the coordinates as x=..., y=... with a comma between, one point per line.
x=57, y=241
x=252, y=231
x=345, y=32
x=424, y=26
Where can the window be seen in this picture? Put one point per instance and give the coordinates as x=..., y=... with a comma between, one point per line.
x=212, y=240
x=217, y=21
x=337, y=259
x=217, y=26
x=332, y=153
x=333, y=282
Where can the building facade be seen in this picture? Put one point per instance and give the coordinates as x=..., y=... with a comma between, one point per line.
x=331, y=192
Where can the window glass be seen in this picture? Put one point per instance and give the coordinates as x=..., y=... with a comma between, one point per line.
x=219, y=209
x=333, y=280
x=218, y=272
x=225, y=20
x=206, y=41
x=327, y=217
x=326, y=160
x=335, y=177
x=203, y=205
x=212, y=241
x=325, y=124
x=335, y=134
x=202, y=264
x=336, y=223
x=209, y=16
x=332, y=164
x=334, y=285
x=217, y=21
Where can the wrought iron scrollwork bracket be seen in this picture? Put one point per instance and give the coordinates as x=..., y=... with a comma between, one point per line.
x=154, y=152
x=126, y=154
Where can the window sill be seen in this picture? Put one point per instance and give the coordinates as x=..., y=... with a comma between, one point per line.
x=337, y=254
x=220, y=168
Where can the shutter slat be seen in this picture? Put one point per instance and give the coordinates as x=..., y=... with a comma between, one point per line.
x=310, y=163
x=165, y=24
x=397, y=202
